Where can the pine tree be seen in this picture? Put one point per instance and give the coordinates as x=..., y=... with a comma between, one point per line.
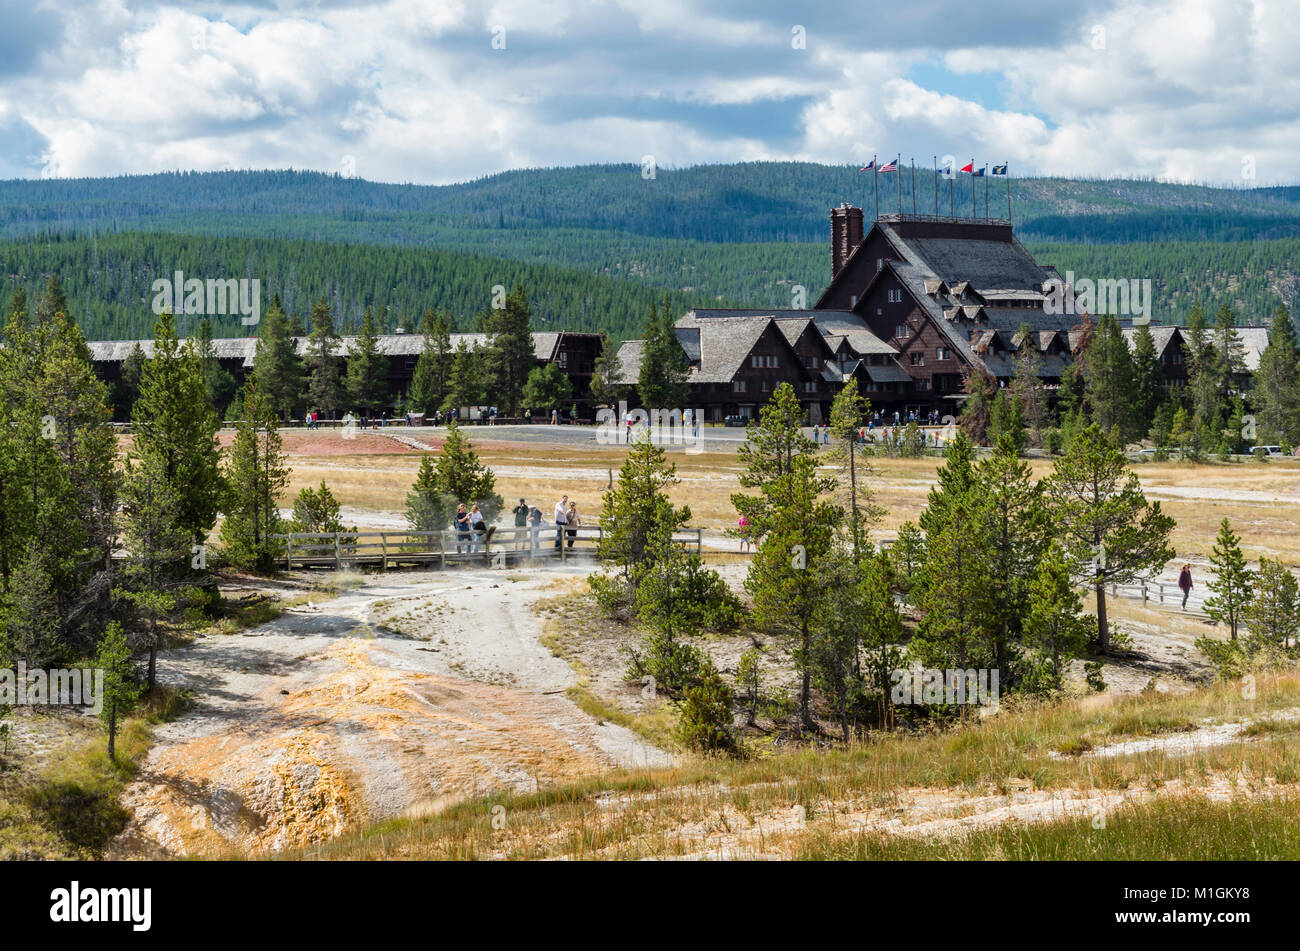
x=798, y=528
x=29, y=614
x=1008, y=421
x=1277, y=384
x=428, y=507
x=637, y=510
x=429, y=383
x=119, y=690
x=1109, y=378
x=608, y=368
x=907, y=558
x=770, y=454
x=1027, y=386
x=1108, y=528
x=157, y=545
x=1233, y=581
x=847, y=412
x=662, y=382
x=461, y=475
x=322, y=363
x=1054, y=630
x=509, y=355
x=256, y=475
x=317, y=511
x=466, y=385
x=1148, y=379
x=277, y=371
x=1273, y=615
x=219, y=385
x=174, y=422
x=981, y=389
x=367, y=380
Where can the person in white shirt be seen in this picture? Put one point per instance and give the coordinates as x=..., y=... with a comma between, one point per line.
x=561, y=520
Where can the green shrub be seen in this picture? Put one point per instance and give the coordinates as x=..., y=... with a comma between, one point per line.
x=705, y=717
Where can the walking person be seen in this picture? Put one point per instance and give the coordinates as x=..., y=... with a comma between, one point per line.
x=742, y=524
x=1185, y=582
x=574, y=521
x=561, y=520
x=521, y=522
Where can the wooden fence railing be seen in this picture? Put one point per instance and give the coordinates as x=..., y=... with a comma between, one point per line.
x=504, y=547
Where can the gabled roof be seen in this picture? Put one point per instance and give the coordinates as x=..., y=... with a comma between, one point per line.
x=724, y=343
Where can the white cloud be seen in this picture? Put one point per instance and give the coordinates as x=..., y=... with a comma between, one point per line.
x=414, y=91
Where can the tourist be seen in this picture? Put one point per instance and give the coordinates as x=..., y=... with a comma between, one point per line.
x=1185, y=582
x=742, y=525
x=574, y=520
x=462, y=525
x=535, y=524
x=521, y=522
x=478, y=526
x=561, y=519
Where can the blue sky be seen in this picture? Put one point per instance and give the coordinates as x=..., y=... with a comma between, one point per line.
x=446, y=90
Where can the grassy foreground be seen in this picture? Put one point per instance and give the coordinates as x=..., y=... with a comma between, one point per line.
x=1010, y=786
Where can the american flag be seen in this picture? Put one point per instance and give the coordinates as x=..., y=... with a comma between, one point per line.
x=889, y=167
x=868, y=167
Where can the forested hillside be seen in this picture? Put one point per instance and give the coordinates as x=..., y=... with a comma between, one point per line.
x=109, y=279
x=594, y=245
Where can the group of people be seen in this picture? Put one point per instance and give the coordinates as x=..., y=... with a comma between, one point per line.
x=472, y=530
x=567, y=520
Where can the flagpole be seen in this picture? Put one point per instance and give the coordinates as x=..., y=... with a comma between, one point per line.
x=913, y=186
x=1007, y=168
x=986, y=193
x=898, y=170
x=875, y=185
x=952, y=200
x=936, y=186
x=972, y=188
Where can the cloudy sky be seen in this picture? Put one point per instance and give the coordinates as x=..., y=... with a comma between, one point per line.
x=435, y=91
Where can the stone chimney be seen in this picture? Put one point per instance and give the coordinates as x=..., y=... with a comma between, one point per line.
x=846, y=235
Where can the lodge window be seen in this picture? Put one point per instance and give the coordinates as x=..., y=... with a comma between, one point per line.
x=880, y=263
x=918, y=359
x=765, y=386
x=810, y=386
x=738, y=386
x=410, y=363
x=923, y=384
x=901, y=330
x=941, y=353
x=563, y=359
x=762, y=360
x=896, y=297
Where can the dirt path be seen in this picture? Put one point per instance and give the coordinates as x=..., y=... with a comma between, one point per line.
x=411, y=692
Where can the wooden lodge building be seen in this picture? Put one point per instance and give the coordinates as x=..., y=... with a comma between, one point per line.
x=913, y=306
x=575, y=353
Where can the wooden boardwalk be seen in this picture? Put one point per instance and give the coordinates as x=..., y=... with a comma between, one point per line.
x=503, y=548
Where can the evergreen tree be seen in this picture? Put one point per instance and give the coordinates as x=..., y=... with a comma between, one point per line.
x=662, y=382
x=219, y=385
x=174, y=422
x=1277, y=384
x=1054, y=630
x=1273, y=615
x=636, y=511
x=29, y=612
x=1027, y=386
x=317, y=511
x=1233, y=581
x=976, y=412
x=256, y=474
x=854, y=469
x=1148, y=380
x=428, y=507
x=1109, y=379
x=120, y=691
x=509, y=356
x=607, y=369
x=367, y=380
x=467, y=385
x=798, y=528
x=429, y=383
x=461, y=475
x=547, y=388
x=157, y=545
x=322, y=363
x=277, y=370
x=1105, y=523
x=1008, y=421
